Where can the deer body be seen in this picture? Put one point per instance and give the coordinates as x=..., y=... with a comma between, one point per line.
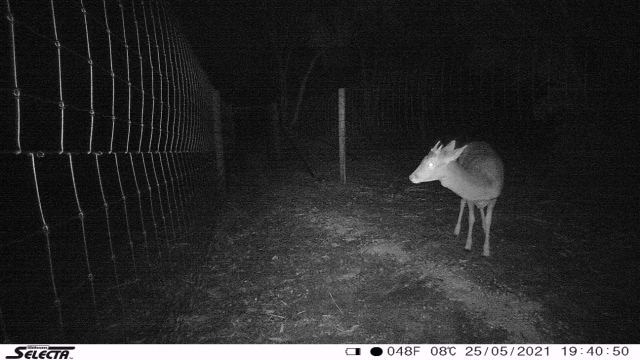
x=474, y=172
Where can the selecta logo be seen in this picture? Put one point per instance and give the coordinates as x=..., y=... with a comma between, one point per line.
x=41, y=352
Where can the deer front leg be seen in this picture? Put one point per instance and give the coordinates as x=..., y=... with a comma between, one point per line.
x=487, y=227
x=456, y=231
x=472, y=219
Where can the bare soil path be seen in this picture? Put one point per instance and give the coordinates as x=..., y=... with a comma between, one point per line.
x=290, y=259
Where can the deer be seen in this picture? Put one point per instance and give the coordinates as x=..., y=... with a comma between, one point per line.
x=474, y=172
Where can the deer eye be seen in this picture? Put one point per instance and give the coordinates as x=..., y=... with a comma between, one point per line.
x=430, y=164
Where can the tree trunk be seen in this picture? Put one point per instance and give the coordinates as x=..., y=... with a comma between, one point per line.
x=303, y=85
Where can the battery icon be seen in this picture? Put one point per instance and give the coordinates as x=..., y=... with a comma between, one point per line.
x=352, y=351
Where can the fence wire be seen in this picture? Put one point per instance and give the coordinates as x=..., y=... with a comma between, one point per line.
x=112, y=131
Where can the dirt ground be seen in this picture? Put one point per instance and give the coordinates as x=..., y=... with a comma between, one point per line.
x=291, y=259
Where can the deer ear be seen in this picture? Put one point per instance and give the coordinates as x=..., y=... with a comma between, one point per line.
x=450, y=146
x=457, y=152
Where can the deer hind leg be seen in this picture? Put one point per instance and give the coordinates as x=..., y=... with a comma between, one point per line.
x=472, y=219
x=456, y=231
x=486, y=225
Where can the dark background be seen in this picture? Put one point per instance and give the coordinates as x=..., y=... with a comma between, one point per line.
x=588, y=49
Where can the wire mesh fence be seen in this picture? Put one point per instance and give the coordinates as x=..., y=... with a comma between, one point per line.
x=108, y=125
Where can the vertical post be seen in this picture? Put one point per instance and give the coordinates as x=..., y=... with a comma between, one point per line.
x=218, y=140
x=341, y=136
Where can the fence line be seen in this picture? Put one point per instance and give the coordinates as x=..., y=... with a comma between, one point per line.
x=113, y=119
